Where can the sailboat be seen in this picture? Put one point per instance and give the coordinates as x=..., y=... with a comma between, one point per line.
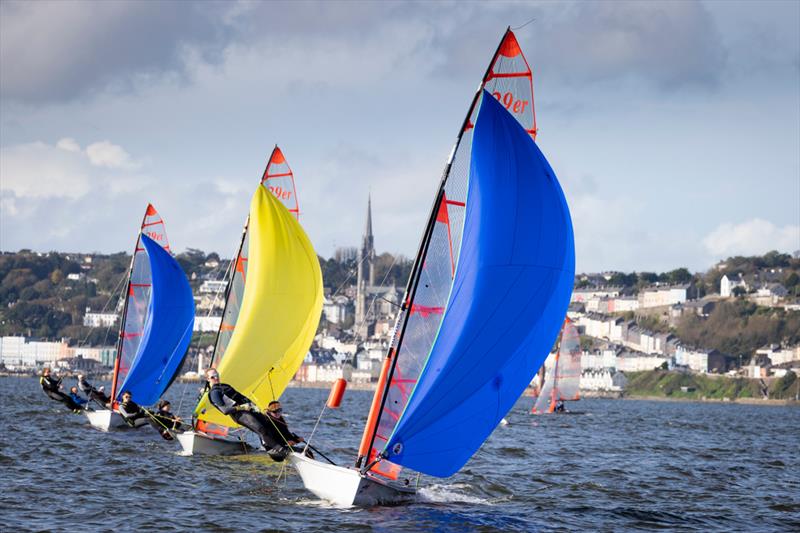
x=156, y=327
x=272, y=309
x=483, y=305
x=562, y=378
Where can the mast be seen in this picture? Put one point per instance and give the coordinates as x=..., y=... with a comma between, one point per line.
x=125, y=312
x=228, y=288
x=368, y=439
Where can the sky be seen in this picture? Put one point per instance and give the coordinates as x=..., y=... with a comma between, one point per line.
x=674, y=127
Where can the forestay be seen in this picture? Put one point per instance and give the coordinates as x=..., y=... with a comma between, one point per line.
x=510, y=293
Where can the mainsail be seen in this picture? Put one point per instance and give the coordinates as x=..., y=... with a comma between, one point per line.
x=562, y=378
x=167, y=330
x=274, y=301
x=510, y=81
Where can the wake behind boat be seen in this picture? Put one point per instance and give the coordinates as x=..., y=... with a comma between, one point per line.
x=487, y=292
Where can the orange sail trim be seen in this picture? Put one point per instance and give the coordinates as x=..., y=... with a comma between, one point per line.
x=510, y=47
x=278, y=178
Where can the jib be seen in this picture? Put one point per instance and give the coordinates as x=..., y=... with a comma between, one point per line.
x=507, y=99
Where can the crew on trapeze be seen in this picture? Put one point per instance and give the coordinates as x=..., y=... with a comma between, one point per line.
x=51, y=386
x=130, y=410
x=91, y=392
x=271, y=428
x=164, y=421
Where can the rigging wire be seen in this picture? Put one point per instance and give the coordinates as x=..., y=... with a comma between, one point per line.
x=520, y=27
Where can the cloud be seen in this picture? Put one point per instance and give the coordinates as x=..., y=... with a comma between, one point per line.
x=40, y=170
x=105, y=154
x=57, y=51
x=670, y=44
x=752, y=237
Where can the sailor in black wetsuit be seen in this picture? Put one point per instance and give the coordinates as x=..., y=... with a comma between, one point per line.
x=130, y=410
x=163, y=420
x=237, y=406
x=92, y=393
x=281, y=432
x=51, y=385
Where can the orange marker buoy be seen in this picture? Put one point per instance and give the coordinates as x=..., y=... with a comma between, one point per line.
x=337, y=392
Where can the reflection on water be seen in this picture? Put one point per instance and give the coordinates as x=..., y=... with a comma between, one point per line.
x=621, y=465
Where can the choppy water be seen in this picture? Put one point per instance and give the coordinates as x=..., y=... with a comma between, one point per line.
x=623, y=465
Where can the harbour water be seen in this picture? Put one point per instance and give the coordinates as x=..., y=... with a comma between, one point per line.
x=618, y=465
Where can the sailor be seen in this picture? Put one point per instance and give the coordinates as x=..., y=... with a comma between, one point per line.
x=281, y=433
x=130, y=410
x=560, y=407
x=51, y=386
x=237, y=406
x=73, y=394
x=92, y=393
x=163, y=420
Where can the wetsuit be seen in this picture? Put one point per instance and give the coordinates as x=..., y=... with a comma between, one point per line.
x=92, y=393
x=131, y=412
x=163, y=421
x=280, y=432
x=237, y=406
x=50, y=387
x=77, y=399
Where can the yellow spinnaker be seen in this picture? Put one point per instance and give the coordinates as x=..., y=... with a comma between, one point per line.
x=281, y=308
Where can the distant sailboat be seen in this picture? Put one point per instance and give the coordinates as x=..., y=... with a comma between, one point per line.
x=491, y=280
x=156, y=327
x=272, y=309
x=562, y=378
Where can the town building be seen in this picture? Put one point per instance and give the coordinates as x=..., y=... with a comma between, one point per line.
x=99, y=320
x=727, y=284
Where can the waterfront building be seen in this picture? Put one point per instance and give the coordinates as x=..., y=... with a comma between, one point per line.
x=104, y=355
x=603, y=380
x=20, y=352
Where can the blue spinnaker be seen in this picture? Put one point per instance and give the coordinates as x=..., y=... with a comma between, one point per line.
x=167, y=331
x=509, y=297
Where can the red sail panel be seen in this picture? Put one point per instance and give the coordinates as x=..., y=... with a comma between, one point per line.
x=138, y=297
x=509, y=78
x=279, y=180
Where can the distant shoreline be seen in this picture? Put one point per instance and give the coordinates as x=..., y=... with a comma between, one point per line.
x=607, y=395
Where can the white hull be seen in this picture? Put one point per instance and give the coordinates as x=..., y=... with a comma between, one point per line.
x=346, y=486
x=107, y=420
x=195, y=443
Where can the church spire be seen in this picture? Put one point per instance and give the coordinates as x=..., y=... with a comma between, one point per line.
x=368, y=227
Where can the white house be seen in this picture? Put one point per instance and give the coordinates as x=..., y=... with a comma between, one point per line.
x=99, y=320
x=726, y=285
x=207, y=323
x=213, y=286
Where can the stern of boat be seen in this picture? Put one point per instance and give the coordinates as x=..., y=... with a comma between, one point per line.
x=346, y=486
x=197, y=443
